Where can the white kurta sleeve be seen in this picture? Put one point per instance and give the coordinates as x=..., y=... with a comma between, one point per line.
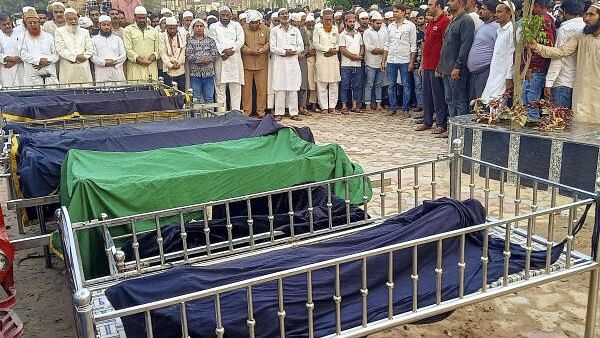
x=90, y=49
x=321, y=47
x=274, y=43
x=95, y=59
x=164, y=56
x=299, y=42
x=31, y=57
x=122, y=56
x=240, y=39
x=61, y=47
x=53, y=56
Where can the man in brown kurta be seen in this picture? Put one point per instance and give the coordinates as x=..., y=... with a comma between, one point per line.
x=255, y=58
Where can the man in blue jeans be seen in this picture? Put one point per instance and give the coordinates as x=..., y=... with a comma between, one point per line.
x=400, y=49
x=352, y=50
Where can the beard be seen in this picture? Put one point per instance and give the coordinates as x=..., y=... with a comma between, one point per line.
x=72, y=29
x=105, y=34
x=34, y=31
x=591, y=29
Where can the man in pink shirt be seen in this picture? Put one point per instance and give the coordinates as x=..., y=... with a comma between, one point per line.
x=127, y=6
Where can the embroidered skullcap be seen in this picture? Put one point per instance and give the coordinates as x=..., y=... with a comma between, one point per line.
x=253, y=16
x=140, y=10
x=70, y=11
x=310, y=17
x=376, y=16
x=171, y=21
x=29, y=12
x=26, y=8
x=596, y=5
x=224, y=9
x=374, y=7
x=388, y=15
x=104, y=18
x=363, y=15
x=338, y=14
x=509, y=4
x=187, y=14
x=85, y=22
x=194, y=22
x=57, y=3
x=165, y=10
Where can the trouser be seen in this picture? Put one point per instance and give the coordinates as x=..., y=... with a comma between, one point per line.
x=562, y=96
x=179, y=80
x=235, y=94
x=392, y=73
x=302, y=98
x=351, y=81
x=434, y=100
x=203, y=88
x=418, y=83
x=312, y=96
x=477, y=83
x=373, y=84
x=532, y=91
x=457, y=94
x=259, y=78
x=328, y=94
x=286, y=98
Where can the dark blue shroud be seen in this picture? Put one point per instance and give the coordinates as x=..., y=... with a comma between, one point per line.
x=238, y=212
x=41, y=153
x=433, y=217
x=54, y=106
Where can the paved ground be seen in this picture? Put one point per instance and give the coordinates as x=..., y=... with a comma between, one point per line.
x=376, y=142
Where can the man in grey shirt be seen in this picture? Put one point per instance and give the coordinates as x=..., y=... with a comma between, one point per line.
x=453, y=60
x=482, y=49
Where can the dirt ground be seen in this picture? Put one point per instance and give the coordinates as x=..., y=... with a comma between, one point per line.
x=553, y=310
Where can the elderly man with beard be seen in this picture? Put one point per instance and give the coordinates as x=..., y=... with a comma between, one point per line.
x=255, y=56
x=326, y=42
x=229, y=36
x=37, y=51
x=173, y=54
x=75, y=48
x=58, y=17
x=142, y=44
x=310, y=63
x=110, y=54
x=586, y=106
x=286, y=43
x=11, y=69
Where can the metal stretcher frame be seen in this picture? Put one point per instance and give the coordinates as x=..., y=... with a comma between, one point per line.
x=512, y=226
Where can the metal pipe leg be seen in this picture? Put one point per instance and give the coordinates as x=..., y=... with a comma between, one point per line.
x=592, y=304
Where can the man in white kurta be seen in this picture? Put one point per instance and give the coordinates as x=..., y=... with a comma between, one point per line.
x=11, y=66
x=110, y=54
x=285, y=44
x=326, y=43
x=75, y=48
x=58, y=18
x=586, y=106
x=229, y=68
x=501, y=67
x=270, y=93
x=36, y=49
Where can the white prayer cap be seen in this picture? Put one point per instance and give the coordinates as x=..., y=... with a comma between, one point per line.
x=19, y=22
x=224, y=9
x=363, y=15
x=27, y=8
x=243, y=16
x=85, y=22
x=376, y=16
x=281, y=10
x=194, y=22
x=57, y=3
x=104, y=18
x=413, y=14
x=310, y=17
x=141, y=10
x=275, y=15
x=424, y=7
x=165, y=10
x=253, y=16
x=388, y=15
x=211, y=17
x=338, y=14
x=70, y=11
x=187, y=14
x=302, y=14
x=162, y=19
x=509, y=4
x=171, y=21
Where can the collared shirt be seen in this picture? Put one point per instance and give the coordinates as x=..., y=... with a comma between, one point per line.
x=104, y=6
x=482, y=49
x=457, y=44
x=199, y=49
x=401, y=41
x=562, y=71
x=374, y=39
x=434, y=37
x=352, y=44
x=230, y=36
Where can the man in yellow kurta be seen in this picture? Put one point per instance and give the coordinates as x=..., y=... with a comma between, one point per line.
x=142, y=44
x=74, y=46
x=586, y=107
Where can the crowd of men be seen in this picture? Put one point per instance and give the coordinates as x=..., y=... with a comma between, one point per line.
x=428, y=62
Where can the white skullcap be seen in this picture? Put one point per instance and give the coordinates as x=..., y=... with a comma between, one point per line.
x=376, y=16
x=509, y=4
x=27, y=8
x=413, y=14
x=281, y=10
x=85, y=22
x=195, y=21
x=310, y=17
x=104, y=18
x=275, y=15
x=187, y=14
x=363, y=15
x=211, y=17
x=253, y=16
x=70, y=11
x=388, y=15
x=302, y=14
x=57, y=3
x=296, y=17
x=224, y=9
x=243, y=16
x=165, y=10
x=424, y=7
x=162, y=19
x=338, y=14
x=171, y=21
x=141, y=10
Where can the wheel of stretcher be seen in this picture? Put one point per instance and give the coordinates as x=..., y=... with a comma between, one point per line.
x=11, y=324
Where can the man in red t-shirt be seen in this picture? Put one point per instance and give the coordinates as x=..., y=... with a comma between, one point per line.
x=433, y=86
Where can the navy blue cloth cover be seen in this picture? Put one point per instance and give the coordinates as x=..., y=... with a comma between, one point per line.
x=238, y=212
x=432, y=217
x=41, y=152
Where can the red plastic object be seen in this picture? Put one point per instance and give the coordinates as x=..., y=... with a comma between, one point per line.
x=11, y=324
x=6, y=274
